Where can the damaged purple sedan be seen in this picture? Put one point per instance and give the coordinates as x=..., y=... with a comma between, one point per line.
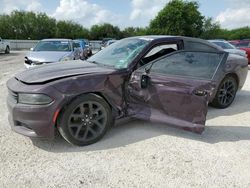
x=167, y=79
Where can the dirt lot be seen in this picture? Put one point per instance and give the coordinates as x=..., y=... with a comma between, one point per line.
x=136, y=154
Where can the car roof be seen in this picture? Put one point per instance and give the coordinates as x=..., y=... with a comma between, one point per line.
x=55, y=39
x=83, y=39
x=218, y=41
x=185, y=39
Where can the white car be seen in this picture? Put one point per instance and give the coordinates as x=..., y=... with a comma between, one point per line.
x=4, y=46
x=228, y=47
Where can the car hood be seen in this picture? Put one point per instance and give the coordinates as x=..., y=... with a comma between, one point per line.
x=236, y=51
x=42, y=56
x=55, y=71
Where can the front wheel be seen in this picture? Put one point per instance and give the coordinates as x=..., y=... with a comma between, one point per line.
x=7, y=50
x=226, y=93
x=85, y=120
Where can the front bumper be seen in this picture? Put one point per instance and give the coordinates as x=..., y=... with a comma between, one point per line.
x=33, y=120
x=30, y=121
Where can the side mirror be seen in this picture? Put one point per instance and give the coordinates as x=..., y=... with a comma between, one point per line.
x=31, y=49
x=145, y=79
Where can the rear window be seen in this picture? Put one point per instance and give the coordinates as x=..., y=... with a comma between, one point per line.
x=197, y=46
x=57, y=46
x=77, y=45
x=244, y=45
x=224, y=45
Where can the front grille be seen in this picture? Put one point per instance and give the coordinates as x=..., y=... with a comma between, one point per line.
x=30, y=62
x=12, y=96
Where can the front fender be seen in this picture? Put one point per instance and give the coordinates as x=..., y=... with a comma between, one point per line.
x=109, y=87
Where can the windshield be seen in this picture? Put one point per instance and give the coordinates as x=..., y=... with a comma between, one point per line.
x=120, y=54
x=224, y=45
x=58, y=46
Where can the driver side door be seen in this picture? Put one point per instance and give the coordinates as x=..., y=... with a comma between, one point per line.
x=176, y=89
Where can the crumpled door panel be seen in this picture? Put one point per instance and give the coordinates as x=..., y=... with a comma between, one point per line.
x=175, y=101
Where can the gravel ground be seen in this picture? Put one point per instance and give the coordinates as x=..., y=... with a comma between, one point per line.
x=135, y=154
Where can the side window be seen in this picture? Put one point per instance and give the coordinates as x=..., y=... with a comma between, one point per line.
x=197, y=46
x=158, y=52
x=200, y=65
x=76, y=45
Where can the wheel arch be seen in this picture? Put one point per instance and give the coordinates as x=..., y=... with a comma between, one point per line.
x=114, y=110
x=235, y=76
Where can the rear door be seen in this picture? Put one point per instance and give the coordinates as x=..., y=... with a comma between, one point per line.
x=178, y=90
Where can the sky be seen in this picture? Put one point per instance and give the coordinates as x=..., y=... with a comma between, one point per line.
x=124, y=13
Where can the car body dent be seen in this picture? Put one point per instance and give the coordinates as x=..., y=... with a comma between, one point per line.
x=121, y=88
x=59, y=70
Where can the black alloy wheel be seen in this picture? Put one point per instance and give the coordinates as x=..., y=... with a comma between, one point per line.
x=85, y=120
x=226, y=93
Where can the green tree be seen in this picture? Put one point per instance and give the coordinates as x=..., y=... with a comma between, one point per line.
x=240, y=33
x=134, y=31
x=211, y=30
x=6, y=30
x=105, y=30
x=178, y=17
x=27, y=25
x=69, y=29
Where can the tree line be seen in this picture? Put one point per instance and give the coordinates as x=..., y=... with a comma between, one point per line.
x=178, y=17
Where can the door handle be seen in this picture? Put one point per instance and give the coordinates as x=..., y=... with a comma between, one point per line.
x=200, y=93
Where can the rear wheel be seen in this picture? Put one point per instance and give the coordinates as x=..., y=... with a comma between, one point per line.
x=7, y=50
x=226, y=93
x=85, y=120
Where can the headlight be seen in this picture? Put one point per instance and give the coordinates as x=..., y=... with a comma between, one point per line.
x=67, y=58
x=34, y=99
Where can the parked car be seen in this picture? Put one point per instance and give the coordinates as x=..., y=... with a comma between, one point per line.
x=234, y=42
x=157, y=78
x=229, y=47
x=108, y=43
x=83, y=52
x=86, y=44
x=4, y=46
x=245, y=45
x=104, y=41
x=49, y=51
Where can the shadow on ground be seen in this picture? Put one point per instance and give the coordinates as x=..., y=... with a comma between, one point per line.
x=134, y=132
x=12, y=54
x=239, y=106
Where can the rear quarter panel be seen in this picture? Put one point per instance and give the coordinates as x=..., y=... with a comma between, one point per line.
x=237, y=65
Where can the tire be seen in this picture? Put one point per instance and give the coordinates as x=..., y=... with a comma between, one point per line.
x=90, y=53
x=226, y=93
x=79, y=125
x=7, y=50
